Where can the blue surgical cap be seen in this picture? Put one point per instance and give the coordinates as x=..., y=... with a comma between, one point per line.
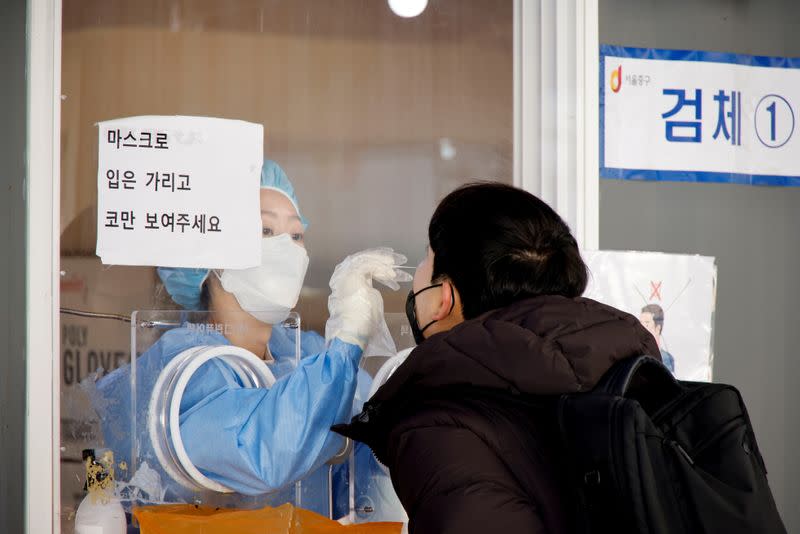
x=273, y=177
x=185, y=284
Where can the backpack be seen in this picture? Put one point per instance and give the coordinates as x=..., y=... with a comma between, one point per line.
x=650, y=454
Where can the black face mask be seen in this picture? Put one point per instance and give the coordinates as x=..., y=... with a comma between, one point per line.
x=411, y=312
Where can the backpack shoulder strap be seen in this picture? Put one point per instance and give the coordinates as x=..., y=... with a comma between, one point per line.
x=630, y=373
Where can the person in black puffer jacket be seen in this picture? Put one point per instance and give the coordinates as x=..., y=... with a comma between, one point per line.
x=500, y=324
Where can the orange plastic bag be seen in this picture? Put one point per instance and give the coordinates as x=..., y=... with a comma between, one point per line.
x=285, y=519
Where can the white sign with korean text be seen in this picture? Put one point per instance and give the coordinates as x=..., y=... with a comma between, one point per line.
x=699, y=116
x=673, y=295
x=178, y=191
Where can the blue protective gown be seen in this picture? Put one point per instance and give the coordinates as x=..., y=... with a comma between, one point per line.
x=259, y=440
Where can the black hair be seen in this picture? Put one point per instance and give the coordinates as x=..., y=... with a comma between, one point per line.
x=657, y=312
x=498, y=244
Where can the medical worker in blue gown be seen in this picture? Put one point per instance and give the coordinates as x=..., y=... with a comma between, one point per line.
x=253, y=440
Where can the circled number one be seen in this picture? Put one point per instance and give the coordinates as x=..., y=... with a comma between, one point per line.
x=771, y=109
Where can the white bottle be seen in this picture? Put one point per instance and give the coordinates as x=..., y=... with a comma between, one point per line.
x=100, y=512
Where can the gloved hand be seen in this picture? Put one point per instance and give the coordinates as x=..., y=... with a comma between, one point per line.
x=381, y=342
x=356, y=308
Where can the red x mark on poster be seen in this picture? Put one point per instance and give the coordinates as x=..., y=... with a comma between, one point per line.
x=655, y=290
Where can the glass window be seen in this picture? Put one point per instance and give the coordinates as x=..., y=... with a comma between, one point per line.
x=374, y=118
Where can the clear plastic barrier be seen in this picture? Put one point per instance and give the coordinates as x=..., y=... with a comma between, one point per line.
x=372, y=496
x=179, y=359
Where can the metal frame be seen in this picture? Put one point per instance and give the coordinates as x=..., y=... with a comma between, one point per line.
x=42, y=476
x=556, y=128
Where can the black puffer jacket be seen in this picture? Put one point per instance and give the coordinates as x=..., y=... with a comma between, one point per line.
x=462, y=426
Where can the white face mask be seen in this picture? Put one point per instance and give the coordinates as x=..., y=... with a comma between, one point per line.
x=270, y=291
